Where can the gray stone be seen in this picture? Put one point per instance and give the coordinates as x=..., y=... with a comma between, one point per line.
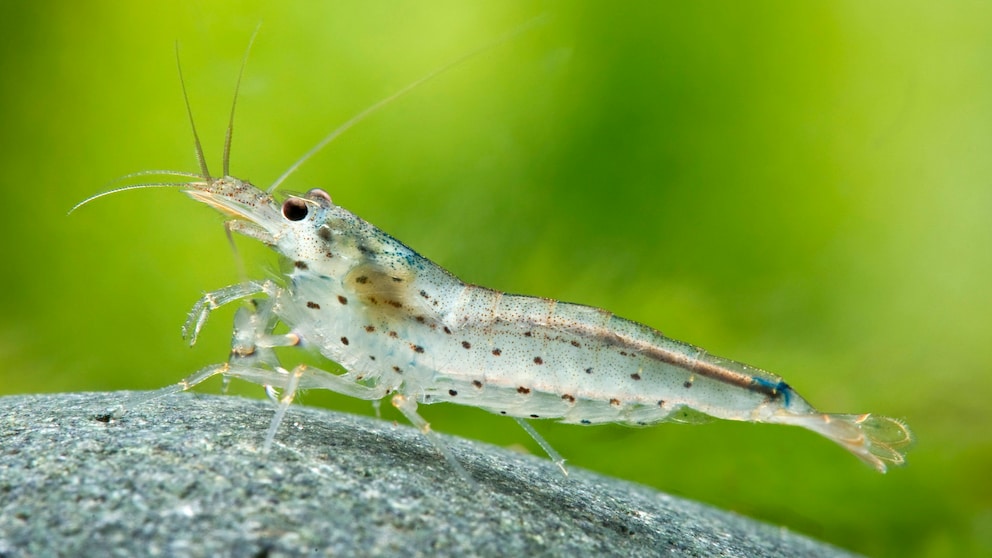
x=183, y=475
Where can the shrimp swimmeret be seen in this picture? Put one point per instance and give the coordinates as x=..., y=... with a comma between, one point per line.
x=402, y=326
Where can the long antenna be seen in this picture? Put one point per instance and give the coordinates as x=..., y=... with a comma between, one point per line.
x=126, y=188
x=375, y=107
x=189, y=112
x=234, y=102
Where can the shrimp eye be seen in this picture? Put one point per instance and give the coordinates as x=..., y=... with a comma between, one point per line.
x=295, y=209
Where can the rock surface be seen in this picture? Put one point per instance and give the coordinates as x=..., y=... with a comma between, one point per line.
x=182, y=475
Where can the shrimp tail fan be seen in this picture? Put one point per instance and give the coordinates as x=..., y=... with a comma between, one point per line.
x=877, y=441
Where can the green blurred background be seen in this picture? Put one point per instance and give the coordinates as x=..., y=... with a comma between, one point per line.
x=802, y=186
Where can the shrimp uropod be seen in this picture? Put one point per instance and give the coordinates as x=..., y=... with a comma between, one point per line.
x=403, y=327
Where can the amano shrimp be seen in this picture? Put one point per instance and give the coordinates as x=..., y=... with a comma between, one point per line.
x=403, y=327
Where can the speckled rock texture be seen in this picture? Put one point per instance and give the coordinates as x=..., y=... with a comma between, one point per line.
x=183, y=476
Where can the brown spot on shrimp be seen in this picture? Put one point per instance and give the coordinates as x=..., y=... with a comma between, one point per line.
x=375, y=284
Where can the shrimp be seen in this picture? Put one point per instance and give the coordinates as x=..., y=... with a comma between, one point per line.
x=401, y=324
x=403, y=327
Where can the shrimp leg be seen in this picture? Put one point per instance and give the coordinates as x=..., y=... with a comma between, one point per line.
x=554, y=455
x=408, y=406
x=215, y=299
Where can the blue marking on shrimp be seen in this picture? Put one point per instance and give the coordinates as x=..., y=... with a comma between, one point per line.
x=779, y=387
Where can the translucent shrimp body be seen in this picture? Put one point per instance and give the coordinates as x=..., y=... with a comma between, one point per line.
x=401, y=325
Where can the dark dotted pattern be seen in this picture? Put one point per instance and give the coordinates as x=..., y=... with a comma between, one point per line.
x=466, y=344
x=687, y=385
x=635, y=376
x=313, y=305
x=301, y=265
x=497, y=352
x=538, y=360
